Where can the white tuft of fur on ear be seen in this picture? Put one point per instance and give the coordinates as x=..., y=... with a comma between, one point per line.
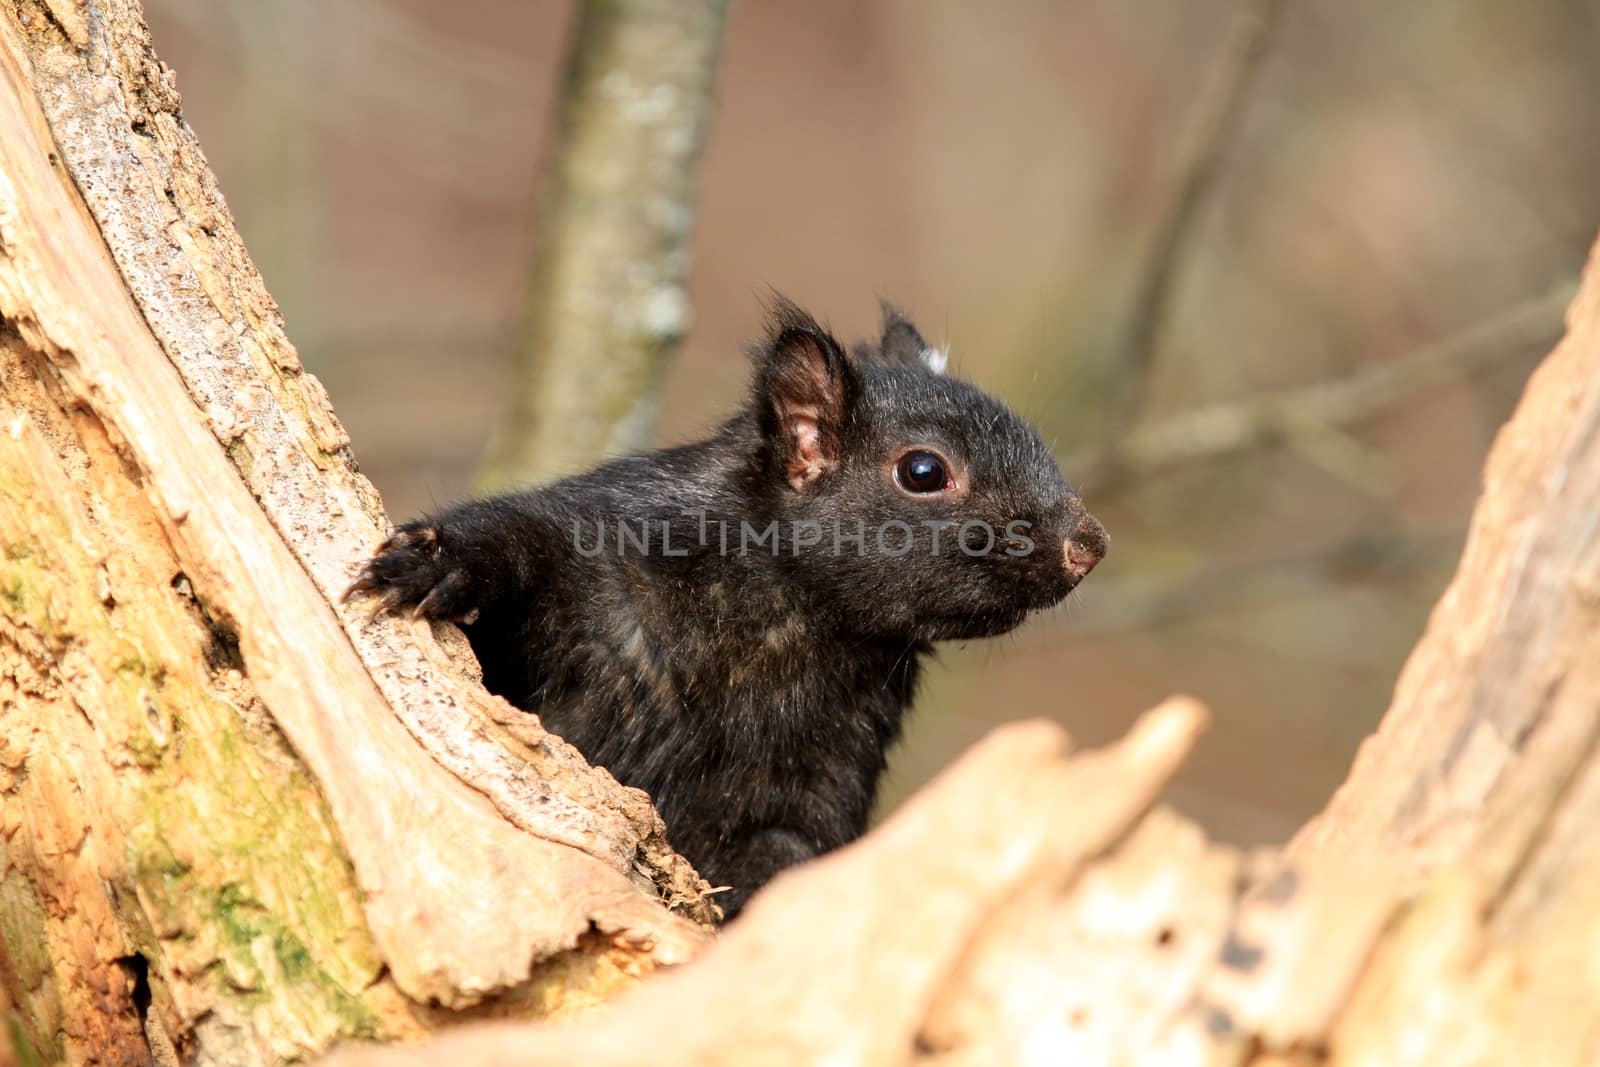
x=936, y=359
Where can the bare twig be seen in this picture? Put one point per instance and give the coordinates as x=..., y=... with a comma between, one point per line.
x=1219, y=115
x=1146, y=602
x=606, y=298
x=1292, y=415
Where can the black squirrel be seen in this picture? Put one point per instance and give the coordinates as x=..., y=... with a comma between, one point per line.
x=736, y=625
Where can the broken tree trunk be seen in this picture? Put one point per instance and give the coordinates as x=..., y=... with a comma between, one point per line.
x=238, y=823
x=240, y=826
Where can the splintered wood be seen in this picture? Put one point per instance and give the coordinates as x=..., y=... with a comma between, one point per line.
x=229, y=820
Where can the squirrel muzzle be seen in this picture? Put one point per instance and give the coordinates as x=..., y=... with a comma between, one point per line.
x=1085, y=548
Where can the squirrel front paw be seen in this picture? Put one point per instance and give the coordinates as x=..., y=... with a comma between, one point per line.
x=409, y=570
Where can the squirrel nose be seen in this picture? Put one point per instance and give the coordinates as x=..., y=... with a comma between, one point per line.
x=1086, y=547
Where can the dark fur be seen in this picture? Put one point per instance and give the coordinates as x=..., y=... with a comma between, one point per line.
x=751, y=695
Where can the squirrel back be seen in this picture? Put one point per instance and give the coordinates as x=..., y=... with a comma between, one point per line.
x=736, y=625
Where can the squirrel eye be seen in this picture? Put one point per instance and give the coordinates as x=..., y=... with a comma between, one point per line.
x=921, y=472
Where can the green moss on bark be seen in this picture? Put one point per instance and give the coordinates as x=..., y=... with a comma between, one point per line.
x=235, y=880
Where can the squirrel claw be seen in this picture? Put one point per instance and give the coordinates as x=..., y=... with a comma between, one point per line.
x=404, y=576
x=392, y=598
x=425, y=538
x=433, y=605
x=365, y=582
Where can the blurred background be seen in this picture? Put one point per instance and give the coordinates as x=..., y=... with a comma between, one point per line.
x=1369, y=191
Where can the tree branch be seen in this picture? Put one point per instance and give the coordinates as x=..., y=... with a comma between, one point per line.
x=1220, y=111
x=1140, y=603
x=607, y=299
x=1292, y=415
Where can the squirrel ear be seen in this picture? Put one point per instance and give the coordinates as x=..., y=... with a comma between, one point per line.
x=903, y=345
x=804, y=386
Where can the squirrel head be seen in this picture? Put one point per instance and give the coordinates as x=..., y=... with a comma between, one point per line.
x=920, y=506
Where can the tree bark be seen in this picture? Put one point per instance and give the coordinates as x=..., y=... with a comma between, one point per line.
x=236, y=821
x=241, y=825
x=607, y=296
